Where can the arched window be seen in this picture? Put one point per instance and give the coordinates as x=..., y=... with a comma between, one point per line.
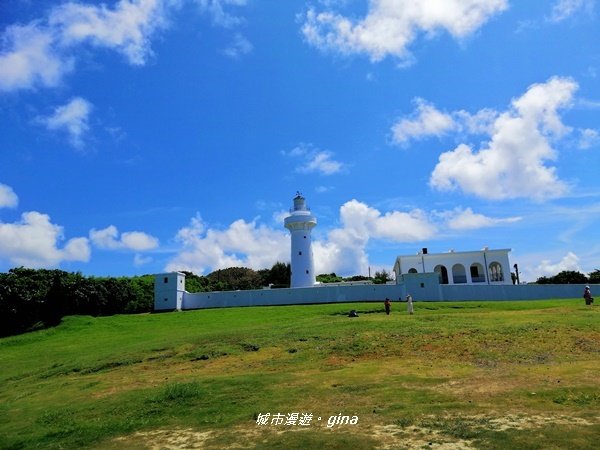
x=496, y=272
x=442, y=273
x=477, y=273
x=459, y=275
x=412, y=270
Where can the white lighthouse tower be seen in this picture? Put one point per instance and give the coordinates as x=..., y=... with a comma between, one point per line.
x=300, y=222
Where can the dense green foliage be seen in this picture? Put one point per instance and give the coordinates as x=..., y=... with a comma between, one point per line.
x=32, y=298
x=382, y=277
x=239, y=278
x=567, y=277
x=37, y=298
x=595, y=277
x=333, y=278
x=329, y=278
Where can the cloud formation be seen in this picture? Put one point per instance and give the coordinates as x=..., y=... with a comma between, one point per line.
x=8, y=198
x=564, y=9
x=314, y=160
x=515, y=162
x=239, y=47
x=344, y=250
x=29, y=58
x=218, y=10
x=466, y=219
x=126, y=28
x=569, y=262
x=243, y=243
x=42, y=52
x=425, y=121
x=391, y=26
x=34, y=242
x=71, y=118
x=108, y=238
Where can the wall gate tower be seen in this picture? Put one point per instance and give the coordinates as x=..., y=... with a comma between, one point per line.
x=300, y=222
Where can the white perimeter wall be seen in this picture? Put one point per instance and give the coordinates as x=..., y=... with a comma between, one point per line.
x=511, y=292
x=296, y=296
x=343, y=294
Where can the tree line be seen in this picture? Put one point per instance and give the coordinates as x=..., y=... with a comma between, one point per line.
x=571, y=277
x=31, y=299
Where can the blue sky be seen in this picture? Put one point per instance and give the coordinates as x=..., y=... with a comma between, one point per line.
x=139, y=136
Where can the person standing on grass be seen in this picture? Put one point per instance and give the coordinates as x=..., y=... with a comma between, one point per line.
x=388, y=306
x=409, y=304
x=587, y=295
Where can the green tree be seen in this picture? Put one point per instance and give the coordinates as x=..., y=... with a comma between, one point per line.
x=329, y=278
x=357, y=278
x=594, y=277
x=564, y=277
x=382, y=277
x=279, y=275
x=234, y=278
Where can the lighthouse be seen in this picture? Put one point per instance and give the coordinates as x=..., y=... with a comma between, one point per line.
x=300, y=222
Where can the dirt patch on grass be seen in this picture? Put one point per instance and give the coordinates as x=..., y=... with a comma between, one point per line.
x=181, y=438
x=536, y=421
x=414, y=437
x=440, y=433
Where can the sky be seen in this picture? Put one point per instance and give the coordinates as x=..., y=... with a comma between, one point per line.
x=143, y=136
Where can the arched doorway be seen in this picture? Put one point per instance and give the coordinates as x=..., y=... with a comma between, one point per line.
x=459, y=276
x=477, y=273
x=496, y=273
x=442, y=273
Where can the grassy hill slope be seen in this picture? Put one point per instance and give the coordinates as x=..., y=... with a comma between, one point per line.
x=468, y=375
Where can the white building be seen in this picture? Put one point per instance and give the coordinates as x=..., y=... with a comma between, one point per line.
x=300, y=222
x=168, y=291
x=473, y=267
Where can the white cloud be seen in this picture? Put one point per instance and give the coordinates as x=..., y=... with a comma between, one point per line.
x=466, y=219
x=239, y=47
x=141, y=260
x=8, y=198
x=72, y=118
x=569, y=262
x=563, y=9
x=425, y=121
x=108, y=238
x=241, y=244
x=321, y=162
x=588, y=138
x=344, y=251
x=33, y=242
x=514, y=162
x=218, y=10
x=28, y=58
x=42, y=52
x=391, y=26
x=315, y=160
x=126, y=28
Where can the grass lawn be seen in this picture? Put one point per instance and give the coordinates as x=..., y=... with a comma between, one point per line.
x=473, y=375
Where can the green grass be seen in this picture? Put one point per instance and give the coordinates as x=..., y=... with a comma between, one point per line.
x=484, y=374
